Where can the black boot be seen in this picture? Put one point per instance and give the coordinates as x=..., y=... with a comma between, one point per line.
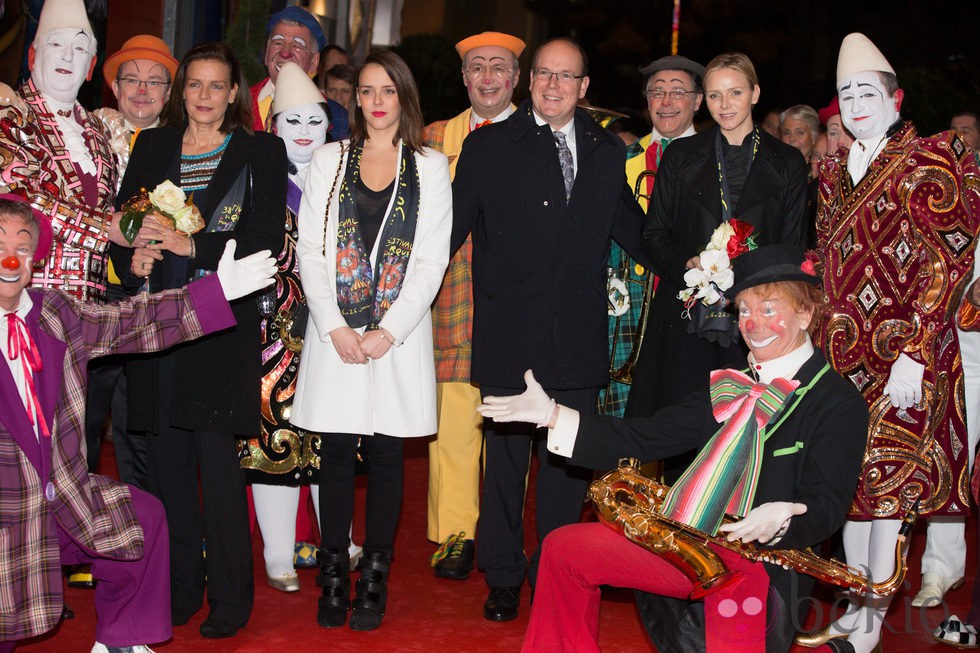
x=334, y=578
x=372, y=591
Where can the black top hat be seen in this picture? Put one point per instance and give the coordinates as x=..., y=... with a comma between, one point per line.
x=770, y=264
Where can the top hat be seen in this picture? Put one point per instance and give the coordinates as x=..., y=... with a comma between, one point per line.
x=771, y=264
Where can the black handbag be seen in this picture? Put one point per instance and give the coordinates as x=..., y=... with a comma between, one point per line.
x=715, y=322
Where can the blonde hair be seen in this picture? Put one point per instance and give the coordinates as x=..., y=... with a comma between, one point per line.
x=735, y=61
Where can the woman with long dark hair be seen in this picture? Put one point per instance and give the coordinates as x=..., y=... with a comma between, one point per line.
x=374, y=227
x=195, y=400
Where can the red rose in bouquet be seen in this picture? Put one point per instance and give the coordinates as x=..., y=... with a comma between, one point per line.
x=742, y=241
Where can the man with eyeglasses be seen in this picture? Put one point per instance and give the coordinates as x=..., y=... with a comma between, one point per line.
x=543, y=193
x=294, y=35
x=490, y=72
x=139, y=74
x=673, y=91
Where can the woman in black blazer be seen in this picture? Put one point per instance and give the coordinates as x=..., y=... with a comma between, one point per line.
x=193, y=400
x=762, y=182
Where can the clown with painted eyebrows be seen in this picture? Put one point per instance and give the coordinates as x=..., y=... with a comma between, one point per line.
x=896, y=226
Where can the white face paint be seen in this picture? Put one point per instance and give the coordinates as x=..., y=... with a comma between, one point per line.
x=866, y=109
x=62, y=59
x=303, y=129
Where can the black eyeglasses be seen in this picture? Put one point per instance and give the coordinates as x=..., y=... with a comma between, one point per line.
x=675, y=94
x=132, y=82
x=545, y=75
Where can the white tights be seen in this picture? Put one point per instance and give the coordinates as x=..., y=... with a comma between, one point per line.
x=869, y=546
x=275, y=511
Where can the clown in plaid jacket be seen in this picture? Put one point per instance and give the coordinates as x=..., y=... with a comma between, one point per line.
x=46, y=492
x=33, y=157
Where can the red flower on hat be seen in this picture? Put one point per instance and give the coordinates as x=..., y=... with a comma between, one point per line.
x=810, y=260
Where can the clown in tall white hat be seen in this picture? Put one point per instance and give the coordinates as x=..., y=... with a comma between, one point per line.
x=896, y=225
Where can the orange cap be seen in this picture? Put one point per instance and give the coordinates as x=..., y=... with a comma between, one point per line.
x=499, y=39
x=141, y=46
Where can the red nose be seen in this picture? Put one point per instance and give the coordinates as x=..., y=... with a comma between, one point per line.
x=11, y=263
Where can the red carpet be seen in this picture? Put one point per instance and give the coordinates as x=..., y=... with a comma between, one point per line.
x=429, y=614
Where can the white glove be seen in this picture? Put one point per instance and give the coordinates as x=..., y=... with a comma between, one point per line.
x=763, y=522
x=533, y=405
x=904, y=386
x=246, y=275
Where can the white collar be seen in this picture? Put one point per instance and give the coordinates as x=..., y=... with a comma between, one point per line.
x=132, y=128
x=23, y=308
x=268, y=89
x=657, y=136
x=568, y=129
x=862, y=153
x=476, y=119
x=784, y=367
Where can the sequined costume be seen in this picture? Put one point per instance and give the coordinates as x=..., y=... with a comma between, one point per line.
x=282, y=454
x=898, y=250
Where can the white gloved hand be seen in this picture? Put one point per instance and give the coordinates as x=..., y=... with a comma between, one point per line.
x=904, y=386
x=246, y=275
x=533, y=405
x=763, y=522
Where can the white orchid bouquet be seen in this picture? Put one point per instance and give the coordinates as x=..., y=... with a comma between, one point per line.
x=709, y=282
x=168, y=200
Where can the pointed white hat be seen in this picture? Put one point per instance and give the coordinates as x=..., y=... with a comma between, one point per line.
x=294, y=88
x=857, y=54
x=56, y=14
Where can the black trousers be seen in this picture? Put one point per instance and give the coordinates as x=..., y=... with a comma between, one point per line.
x=180, y=460
x=107, y=389
x=338, y=452
x=559, y=491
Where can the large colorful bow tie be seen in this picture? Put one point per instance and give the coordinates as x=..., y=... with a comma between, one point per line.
x=20, y=346
x=724, y=475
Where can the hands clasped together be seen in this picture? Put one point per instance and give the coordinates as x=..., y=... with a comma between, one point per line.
x=354, y=348
x=156, y=236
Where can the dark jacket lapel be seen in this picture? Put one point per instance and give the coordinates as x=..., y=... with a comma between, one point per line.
x=238, y=150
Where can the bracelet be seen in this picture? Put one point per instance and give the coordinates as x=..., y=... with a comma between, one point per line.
x=384, y=334
x=193, y=253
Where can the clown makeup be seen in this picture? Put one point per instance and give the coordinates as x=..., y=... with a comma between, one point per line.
x=62, y=60
x=771, y=324
x=673, y=112
x=17, y=243
x=302, y=129
x=490, y=73
x=141, y=89
x=836, y=136
x=866, y=109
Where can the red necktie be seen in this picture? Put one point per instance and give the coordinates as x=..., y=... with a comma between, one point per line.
x=21, y=345
x=483, y=124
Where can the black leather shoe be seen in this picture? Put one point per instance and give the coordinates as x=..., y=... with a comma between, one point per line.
x=458, y=563
x=216, y=628
x=334, y=578
x=502, y=603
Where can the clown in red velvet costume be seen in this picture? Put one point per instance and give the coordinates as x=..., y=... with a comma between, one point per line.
x=896, y=225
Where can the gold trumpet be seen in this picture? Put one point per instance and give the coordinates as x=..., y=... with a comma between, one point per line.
x=624, y=373
x=630, y=503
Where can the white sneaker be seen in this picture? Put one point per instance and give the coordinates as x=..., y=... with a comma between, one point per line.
x=934, y=588
x=102, y=648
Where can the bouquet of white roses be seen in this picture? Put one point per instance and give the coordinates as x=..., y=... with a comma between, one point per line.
x=166, y=199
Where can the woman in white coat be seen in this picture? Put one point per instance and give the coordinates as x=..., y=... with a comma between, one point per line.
x=374, y=228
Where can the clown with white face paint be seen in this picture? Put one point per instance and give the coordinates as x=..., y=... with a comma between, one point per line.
x=277, y=470
x=894, y=270
x=64, y=162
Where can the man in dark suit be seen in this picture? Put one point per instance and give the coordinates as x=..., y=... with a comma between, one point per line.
x=543, y=193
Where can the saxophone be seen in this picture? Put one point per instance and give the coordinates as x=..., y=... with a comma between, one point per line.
x=630, y=503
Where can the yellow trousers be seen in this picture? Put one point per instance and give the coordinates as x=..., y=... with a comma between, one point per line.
x=454, y=462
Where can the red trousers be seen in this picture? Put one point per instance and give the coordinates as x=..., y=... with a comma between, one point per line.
x=577, y=559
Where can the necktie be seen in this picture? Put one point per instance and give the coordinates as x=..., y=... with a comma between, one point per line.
x=21, y=345
x=567, y=163
x=483, y=124
x=724, y=475
x=661, y=146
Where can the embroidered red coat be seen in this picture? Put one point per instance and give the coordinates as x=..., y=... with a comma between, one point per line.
x=33, y=157
x=898, y=251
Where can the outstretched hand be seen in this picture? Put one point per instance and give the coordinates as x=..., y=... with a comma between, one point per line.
x=533, y=405
x=245, y=275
